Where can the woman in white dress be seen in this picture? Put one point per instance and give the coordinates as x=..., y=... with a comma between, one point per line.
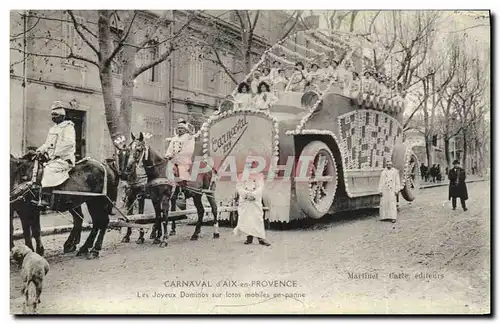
x=255, y=82
x=275, y=71
x=347, y=77
x=279, y=82
x=264, y=99
x=355, y=86
x=298, y=79
x=314, y=77
x=266, y=77
x=367, y=83
x=243, y=98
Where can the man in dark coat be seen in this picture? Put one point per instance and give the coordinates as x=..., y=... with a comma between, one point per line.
x=458, y=187
x=423, y=171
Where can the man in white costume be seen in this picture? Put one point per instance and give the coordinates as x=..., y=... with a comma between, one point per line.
x=181, y=149
x=250, y=187
x=60, y=146
x=389, y=186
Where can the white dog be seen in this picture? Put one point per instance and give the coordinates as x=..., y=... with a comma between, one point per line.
x=33, y=271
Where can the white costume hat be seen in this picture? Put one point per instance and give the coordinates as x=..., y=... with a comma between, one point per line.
x=187, y=126
x=182, y=124
x=58, y=107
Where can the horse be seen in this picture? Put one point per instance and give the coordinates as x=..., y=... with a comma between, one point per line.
x=136, y=192
x=87, y=176
x=156, y=171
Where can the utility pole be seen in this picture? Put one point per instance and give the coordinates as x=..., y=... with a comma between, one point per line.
x=25, y=83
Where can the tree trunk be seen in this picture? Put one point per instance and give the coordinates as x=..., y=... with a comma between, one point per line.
x=127, y=91
x=447, y=151
x=428, y=147
x=108, y=93
x=112, y=116
x=464, y=164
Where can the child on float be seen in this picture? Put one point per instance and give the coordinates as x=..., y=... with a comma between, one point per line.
x=265, y=98
x=266, y=77
x=279, y=83
x=314, y=77
x=355, y=85
x=274, y=71
x=368, y=83
x=243, y=98
x=255, y=82
x=298, y=79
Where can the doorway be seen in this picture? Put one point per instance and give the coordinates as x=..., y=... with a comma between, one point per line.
x=78, y=118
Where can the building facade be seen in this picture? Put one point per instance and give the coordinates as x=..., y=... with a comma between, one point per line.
x=184, y=86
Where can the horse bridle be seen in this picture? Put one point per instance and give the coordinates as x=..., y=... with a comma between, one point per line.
x=144, y=155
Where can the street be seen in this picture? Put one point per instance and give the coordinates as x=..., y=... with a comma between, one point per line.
x=433, y=260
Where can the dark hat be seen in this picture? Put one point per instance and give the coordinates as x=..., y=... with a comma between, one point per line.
x=314, y=64
x=456, y=162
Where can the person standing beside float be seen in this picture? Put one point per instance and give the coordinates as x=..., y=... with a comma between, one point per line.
x=250, y=187
x=389, y=187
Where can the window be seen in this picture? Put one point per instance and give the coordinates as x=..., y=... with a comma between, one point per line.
x=434, y=140
x=196, y=71
x=72, y=42
x=197, y=120
x=153, y=74
x=154, y=126
x=226, y=85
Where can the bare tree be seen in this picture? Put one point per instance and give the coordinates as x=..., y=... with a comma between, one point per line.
x=244, y=41
x=116, y=40
x=469, y=103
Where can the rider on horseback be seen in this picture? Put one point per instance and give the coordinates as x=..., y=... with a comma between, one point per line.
x=180, y=150
x=60, y=147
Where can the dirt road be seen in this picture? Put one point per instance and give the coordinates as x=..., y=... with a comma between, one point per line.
x=433, y=260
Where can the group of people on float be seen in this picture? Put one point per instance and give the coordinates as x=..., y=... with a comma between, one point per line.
x=263, y=88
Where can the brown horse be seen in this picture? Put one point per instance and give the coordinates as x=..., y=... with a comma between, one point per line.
x=161, y=191
x=86, y=176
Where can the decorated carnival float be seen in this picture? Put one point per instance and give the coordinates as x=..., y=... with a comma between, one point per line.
x=348, y=129
x=324, y=142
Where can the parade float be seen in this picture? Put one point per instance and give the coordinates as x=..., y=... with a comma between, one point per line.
x=348, y=131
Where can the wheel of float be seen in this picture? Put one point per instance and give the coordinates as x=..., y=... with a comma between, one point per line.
x=412, y=181
x=406, y=161
x=315, y=196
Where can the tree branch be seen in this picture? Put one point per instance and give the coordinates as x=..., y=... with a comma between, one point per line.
x=413, y=113
x=141, y=69
x=80, y=33
x=70, y=56
x=219, y=61
x=255, y=19
x=120, y=44
x=297, y=14
x=14, y=37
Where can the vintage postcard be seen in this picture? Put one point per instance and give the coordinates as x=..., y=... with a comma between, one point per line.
x=250, y=162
